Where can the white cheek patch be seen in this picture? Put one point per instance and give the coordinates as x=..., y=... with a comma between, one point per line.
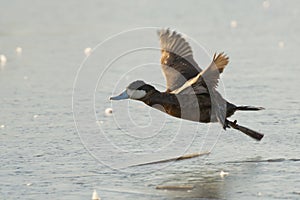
x=136, y=94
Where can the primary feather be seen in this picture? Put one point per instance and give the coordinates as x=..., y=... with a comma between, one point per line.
x=178, y=64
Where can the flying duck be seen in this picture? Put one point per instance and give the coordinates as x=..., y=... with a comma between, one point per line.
x=191, y=92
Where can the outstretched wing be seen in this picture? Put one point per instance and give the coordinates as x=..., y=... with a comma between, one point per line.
x=207, y=79
x=177, y=60
x=206, y=82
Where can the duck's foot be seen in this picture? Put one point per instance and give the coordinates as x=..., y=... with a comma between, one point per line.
x=247, y=131
x=226, y=124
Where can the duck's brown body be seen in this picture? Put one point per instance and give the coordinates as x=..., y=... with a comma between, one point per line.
x=197, y=107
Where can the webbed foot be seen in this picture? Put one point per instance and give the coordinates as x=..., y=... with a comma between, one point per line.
x=226, y=125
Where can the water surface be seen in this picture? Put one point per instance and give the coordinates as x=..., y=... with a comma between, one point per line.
x=42, y=156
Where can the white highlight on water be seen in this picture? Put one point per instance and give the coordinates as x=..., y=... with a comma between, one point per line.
x=19, y=50
x=280, y=44
x=87, y=51
x=223, y=174
x=233, y=24
x=108, y=111
x=3, y=59
x=95, y=196
x=266, y=4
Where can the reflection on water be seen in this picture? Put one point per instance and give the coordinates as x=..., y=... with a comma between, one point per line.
x=207, y=184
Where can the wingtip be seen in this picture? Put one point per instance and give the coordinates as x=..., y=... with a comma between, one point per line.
x=174, y=42
x=220, y=55
x=220, y=60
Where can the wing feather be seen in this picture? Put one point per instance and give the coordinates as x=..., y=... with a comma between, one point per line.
x=177, y=60
x=207, y=79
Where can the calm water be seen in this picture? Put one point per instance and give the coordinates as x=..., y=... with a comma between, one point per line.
x=45, y=156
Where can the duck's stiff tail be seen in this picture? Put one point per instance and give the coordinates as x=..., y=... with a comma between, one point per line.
x=247, y=131
x=250, y=108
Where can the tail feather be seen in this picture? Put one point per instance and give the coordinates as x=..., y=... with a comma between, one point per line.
x=253, y=108
x=247, y=131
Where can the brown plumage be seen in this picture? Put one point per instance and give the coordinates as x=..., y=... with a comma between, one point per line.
x=191, y=92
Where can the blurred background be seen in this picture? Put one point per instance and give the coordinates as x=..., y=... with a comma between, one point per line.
x=42, y=47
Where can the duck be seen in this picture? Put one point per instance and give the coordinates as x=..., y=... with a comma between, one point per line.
x=191, y=92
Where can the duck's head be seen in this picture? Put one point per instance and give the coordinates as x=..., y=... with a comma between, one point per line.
x=136, y=90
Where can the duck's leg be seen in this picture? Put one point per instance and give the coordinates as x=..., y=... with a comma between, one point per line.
x=226, y=124
x=247, y=131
